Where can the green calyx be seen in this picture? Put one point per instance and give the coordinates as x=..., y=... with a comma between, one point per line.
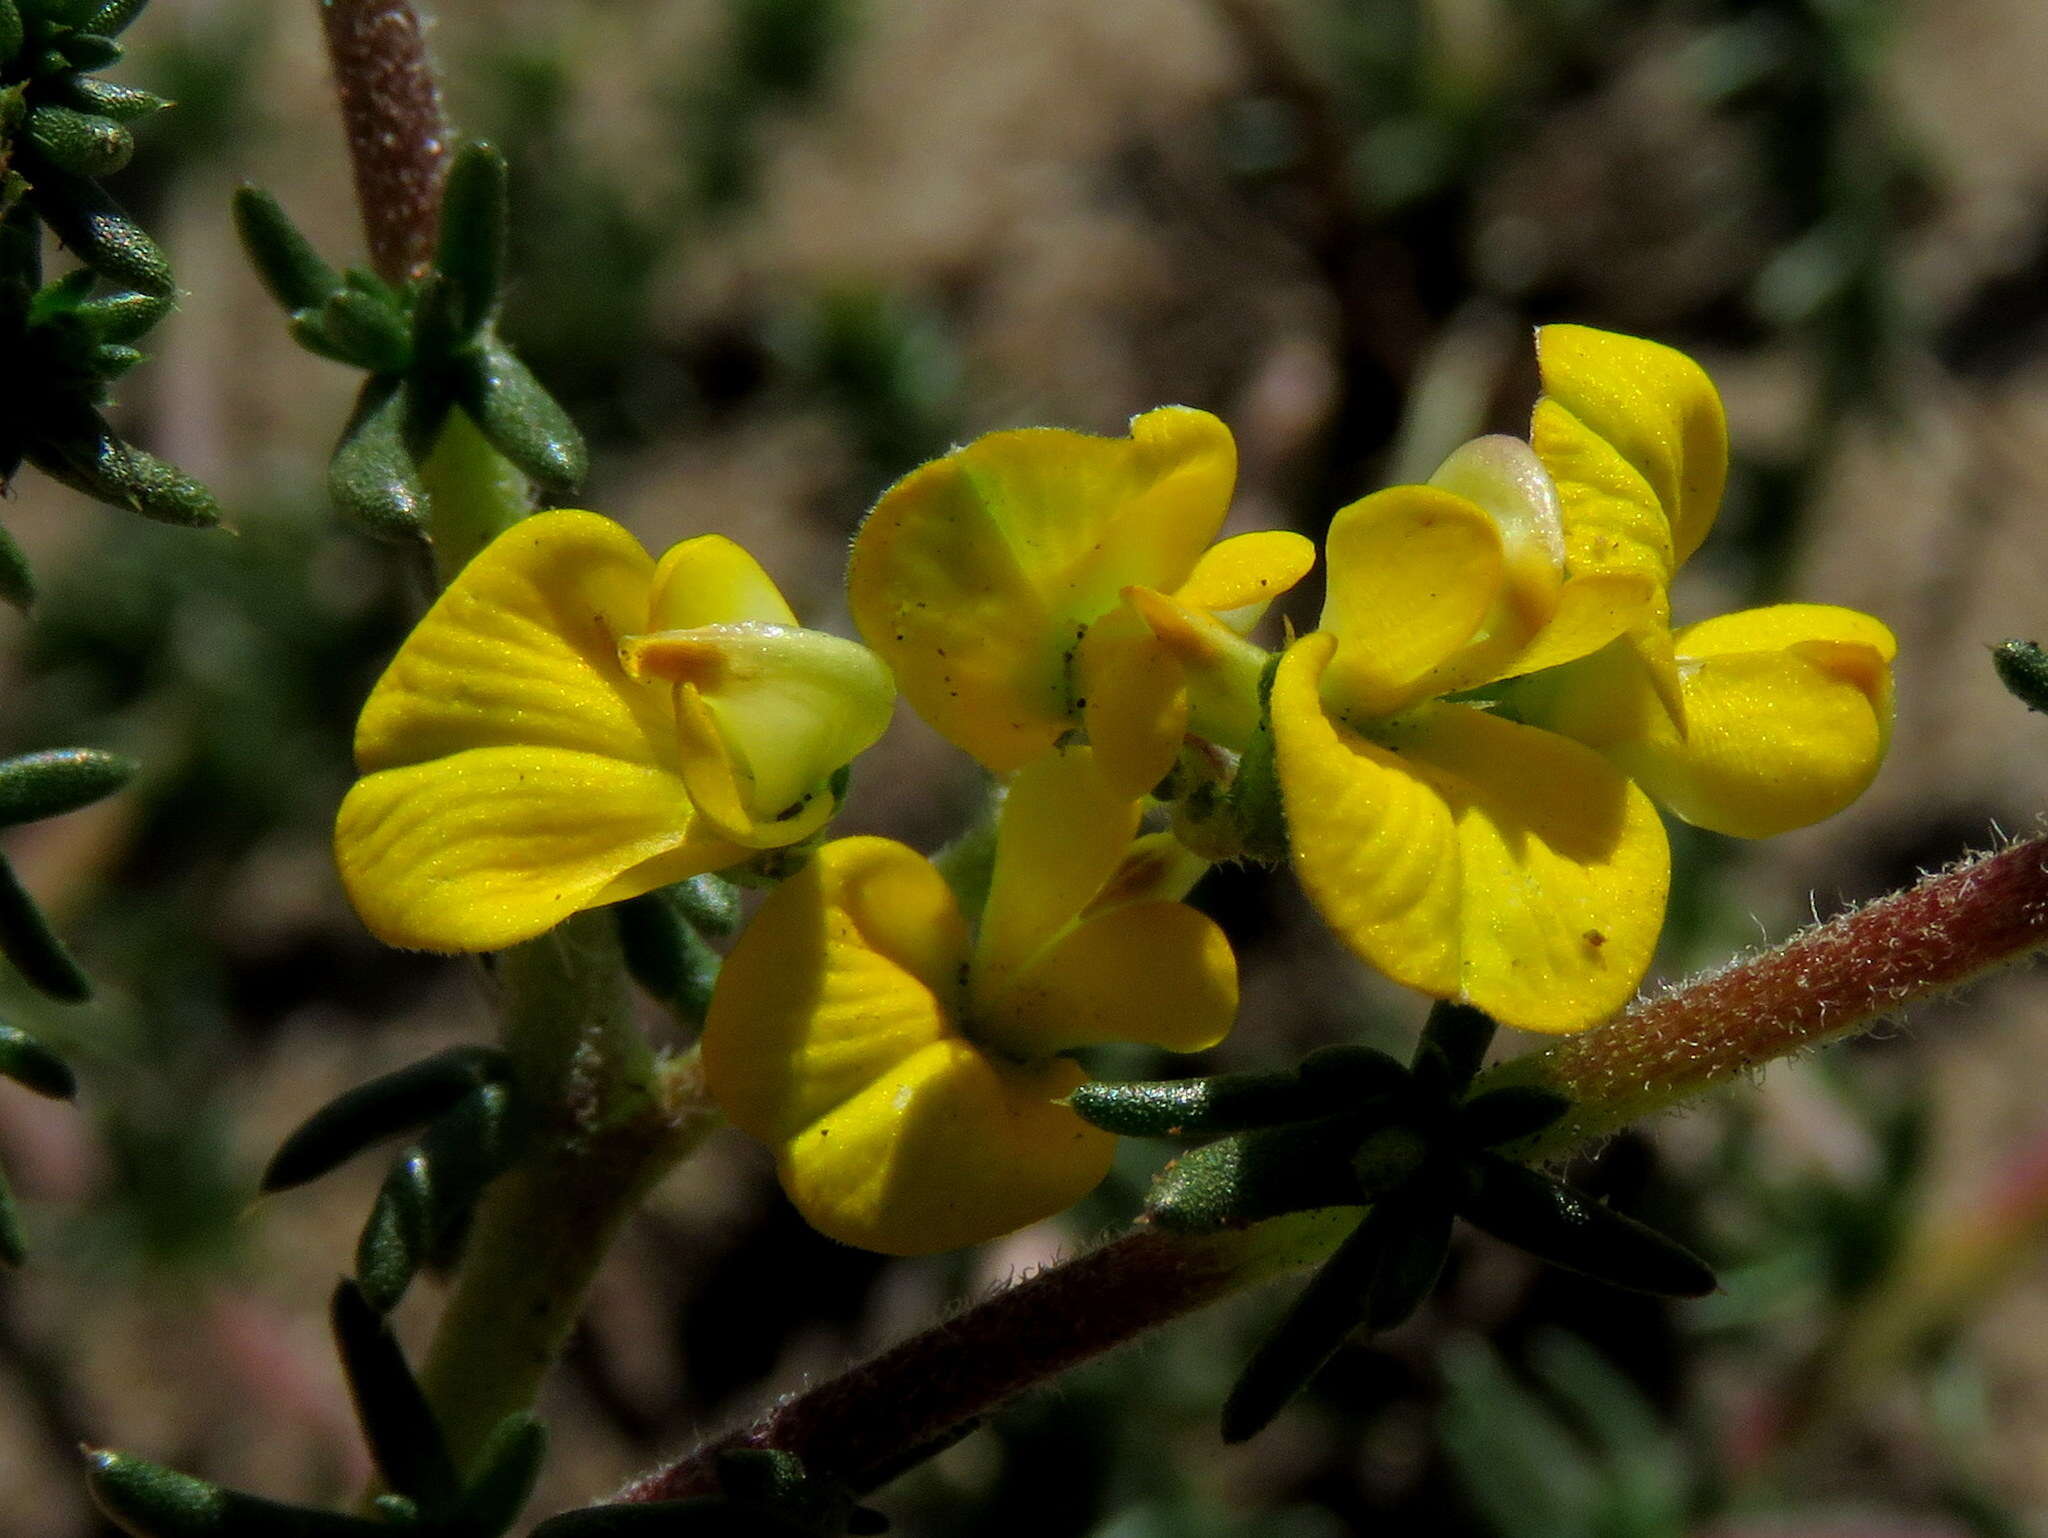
x=430, y=348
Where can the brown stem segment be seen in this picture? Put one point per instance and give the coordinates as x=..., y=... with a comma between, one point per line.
x=1834, y=980
x=1837, y=978
x=397, y=139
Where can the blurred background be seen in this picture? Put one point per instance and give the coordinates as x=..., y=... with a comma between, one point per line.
x=772, y=253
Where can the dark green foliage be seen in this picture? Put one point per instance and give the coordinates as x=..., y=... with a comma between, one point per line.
x=405, y=1441
x=61, y=130
x=34, y=1066
x=387, y=1106
x=427, y=349
x=372, y=477
x=667, y=955
x=1351, y=1127
x=27, y=940
x=48, y=784
x=427, y=1199
x=427, y=1498
x=155, y=1502
x=2023, y=669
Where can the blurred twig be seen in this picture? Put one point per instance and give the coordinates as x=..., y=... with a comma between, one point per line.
x=397, y=140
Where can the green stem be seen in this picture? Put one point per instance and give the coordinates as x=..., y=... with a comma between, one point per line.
x=610, y=1121
x=474, y=494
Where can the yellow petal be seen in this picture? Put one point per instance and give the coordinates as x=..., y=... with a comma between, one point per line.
x=949, y=1149
x=791, y=705
x=495, y=845
x=975, y=575
x=1157, y=867
x=1788, y=714
x=1656, y=407
x=1219, y=667
x=1062, y=833
x=711, y=580
x=832, y=1036
x=1616, y=528
x=1472, y=857
x=1156, y=972
x=1134, y=701
x=1413, y=572
x=851, y=967
x=1591, y=612
x=522, y=650
x=1374, y=847
x=1236, y=578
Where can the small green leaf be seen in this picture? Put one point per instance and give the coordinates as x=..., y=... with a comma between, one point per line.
x=507, y=1466
x=27, y=940
x=34, y=1066
x=88, y=51
x=100, y=234
x=666, y=955
x=522, y=421
x=110, y=360
x=89, y=458
x=1415, y=1238
x=1569, y=1229
x=122, y=317
x=1329, y=1309
x=471, y=255
x=1258, y=1175
x=151, y=1501
x=17, y=582
x=112, y=18
x=58, y=781
x=13, y=1247
x=372, y=334
x=122, y=103
x=405, y=1440
x=283, y=258
x=1347, y=1076
x=83, y=143
x=394, y=1103
x=2023, y=669
x=1231, y=1102
x=373, y=478
x=1510, y=1114
x=431, y=1192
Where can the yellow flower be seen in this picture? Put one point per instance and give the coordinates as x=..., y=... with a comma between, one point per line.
x=1499, y=847
x=1006, y=582
x=909, y=1077
x=572, y=724
x=1751, y=723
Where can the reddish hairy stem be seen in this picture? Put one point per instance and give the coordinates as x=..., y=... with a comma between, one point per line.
x=1834, y=980
x=1837, y=978
x=397, y=140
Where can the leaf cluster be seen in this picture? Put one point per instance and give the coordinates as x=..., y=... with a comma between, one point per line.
x=429, y=347
x=65, y=342
x=1414, y=1145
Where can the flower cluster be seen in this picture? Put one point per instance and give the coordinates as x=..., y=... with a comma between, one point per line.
x=1467, y=749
